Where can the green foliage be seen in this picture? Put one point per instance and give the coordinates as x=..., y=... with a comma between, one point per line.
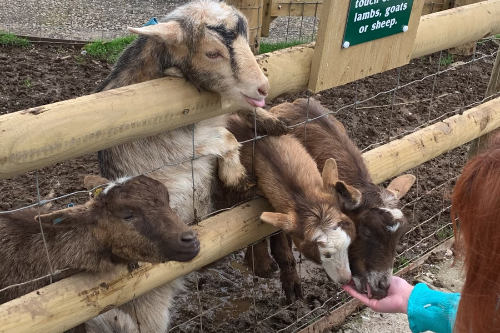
x=109, y=50
x=446, y=61
x=400, y=263
x=27, y=83
x=445, y=233
x=270, y=47
x=7, y=39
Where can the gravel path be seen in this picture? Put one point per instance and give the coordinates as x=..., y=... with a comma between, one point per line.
x=105, y=19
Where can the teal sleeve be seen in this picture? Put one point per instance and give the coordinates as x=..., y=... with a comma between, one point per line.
x=430, y=310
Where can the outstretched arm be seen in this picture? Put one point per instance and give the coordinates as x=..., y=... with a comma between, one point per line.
x=428, y=310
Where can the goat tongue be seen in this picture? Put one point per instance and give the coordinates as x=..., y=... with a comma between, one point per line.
x=256, y=102
x=369, y=291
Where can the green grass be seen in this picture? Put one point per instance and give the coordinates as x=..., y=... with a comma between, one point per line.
x=446, y=61
x=444, y=233
x=109, y=50
x=27, y=83
x=7, y=39
x=270, y=47
x=400, y=263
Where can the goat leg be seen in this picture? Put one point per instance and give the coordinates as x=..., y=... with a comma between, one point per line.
x=258, y=259
x=281, y=249
x=231, y=172
x=267, y=123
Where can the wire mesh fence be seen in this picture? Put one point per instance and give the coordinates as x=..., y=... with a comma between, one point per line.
x=226, y=296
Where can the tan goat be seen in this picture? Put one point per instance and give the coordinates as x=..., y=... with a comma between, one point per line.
x=305, y=202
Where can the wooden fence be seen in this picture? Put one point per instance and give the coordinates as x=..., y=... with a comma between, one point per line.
x=48, y=134
x=261, y=13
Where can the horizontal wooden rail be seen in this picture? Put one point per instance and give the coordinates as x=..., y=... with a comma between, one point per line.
x=45, y=135
x=414, y=149
x=69, y=302
x=457, y=26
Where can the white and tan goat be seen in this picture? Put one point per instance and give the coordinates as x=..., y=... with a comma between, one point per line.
x=305, y=204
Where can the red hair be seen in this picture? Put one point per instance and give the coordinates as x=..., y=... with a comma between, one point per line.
x=476, y=204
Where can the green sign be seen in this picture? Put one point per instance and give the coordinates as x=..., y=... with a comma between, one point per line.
x=372, y=19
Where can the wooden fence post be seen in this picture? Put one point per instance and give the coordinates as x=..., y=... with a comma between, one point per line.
x=480, y=143
x=266, y=18
x=253, y=10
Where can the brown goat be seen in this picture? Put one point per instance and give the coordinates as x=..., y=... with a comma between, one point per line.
x=305, y=204
x=130, y=221
x=379, y=223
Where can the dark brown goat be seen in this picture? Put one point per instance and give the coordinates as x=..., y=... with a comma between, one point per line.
x=130, y=221
x=379, y=222
x=305, y=204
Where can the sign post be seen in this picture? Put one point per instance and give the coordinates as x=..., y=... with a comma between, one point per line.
x=359, y=38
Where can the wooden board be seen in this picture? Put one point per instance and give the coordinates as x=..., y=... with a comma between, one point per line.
x=45, y=135
x=412, y=150
x=253, y=10
x=333, y=65
x=296, y=8
x=266, y=19
x=481, y=143
x=71, y=301
x=456, y=26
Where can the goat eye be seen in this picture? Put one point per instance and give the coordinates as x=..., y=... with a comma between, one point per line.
x=213, y=55
x=128, y=217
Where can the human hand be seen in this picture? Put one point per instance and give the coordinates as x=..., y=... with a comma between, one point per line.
x=396, y=300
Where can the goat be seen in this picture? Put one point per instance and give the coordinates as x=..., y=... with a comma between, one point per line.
x=379, y=222
x=130, y=221
x=112, y=321
x=205, y=42
x=305, y=204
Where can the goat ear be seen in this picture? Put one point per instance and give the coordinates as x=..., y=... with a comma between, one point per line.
x=170, y=32
x=348, y=195
x=330, y=174
x=91, y=181
x=68, y=217
x=401, y=185
x=281, y=221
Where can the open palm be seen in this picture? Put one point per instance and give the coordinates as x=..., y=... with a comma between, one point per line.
x=395, y=301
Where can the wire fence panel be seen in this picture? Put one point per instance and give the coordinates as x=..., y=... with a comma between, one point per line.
x=226, y=296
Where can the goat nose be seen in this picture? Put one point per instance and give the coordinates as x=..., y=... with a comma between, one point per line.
x=188, y=237
x=344, y=281
x=384, y=284
x=264, y=89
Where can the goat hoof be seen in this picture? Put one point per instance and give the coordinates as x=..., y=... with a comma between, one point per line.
x=292, y=292
x=265, y=270
x=132, y=266
x=291, y=285
x=277, y=126
x=246, y=183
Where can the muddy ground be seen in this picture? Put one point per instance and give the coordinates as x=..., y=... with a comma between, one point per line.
x=229, y=299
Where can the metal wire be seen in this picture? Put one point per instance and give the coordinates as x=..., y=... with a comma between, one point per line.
x=41, y=228
x=354, y=105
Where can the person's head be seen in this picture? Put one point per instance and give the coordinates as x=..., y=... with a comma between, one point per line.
x=476, y=220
